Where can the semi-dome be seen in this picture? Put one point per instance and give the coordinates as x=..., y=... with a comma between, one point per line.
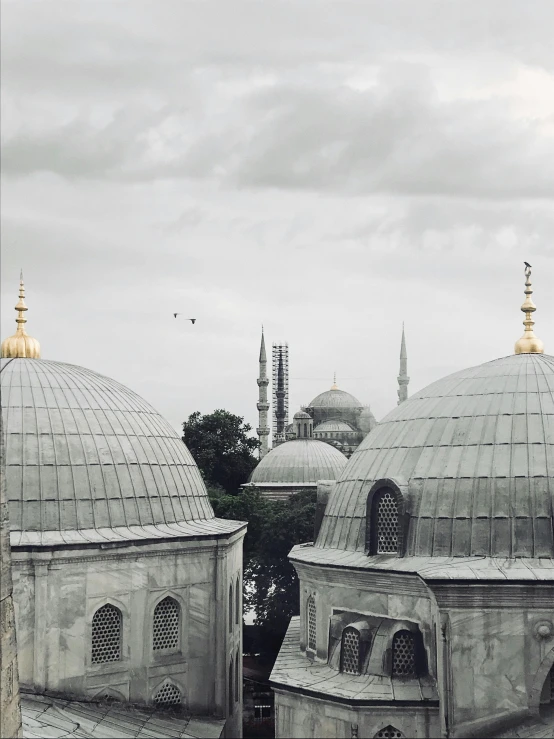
x=333, y=427
x=84, y=452
x=473, y=458
x=335, y=398
x=299, y=461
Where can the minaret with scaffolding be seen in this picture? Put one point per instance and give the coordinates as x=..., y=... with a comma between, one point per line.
x=403, y=378
x=280, y=392
x=263, y=404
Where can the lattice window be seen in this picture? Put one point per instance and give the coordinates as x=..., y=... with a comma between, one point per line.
x=231, y=607
x=168, y=695
x=350, y=651
x=312, y=637
x=386, y=513
x=106, y=635
x=389, y=732
x=231, y=696
x=237, y=601
x=404, y=654
x=237, y=677
x=165, y=628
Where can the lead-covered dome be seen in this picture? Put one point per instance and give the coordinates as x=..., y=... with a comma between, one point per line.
x=84, y=452
x=335, y=398
x=299, y=461
x=473, y=458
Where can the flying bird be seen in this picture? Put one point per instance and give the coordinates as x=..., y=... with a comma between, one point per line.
x=527, y=264
x=192, y=320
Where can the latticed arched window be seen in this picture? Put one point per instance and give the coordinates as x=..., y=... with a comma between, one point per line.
x=547, y=694
x=404, y=657
x=237, y=601
x=231, y=607
x=389, y=732
x=106, y=635
x=385, y=523
x=237, y=676
x=312, y=633
x=231, y=692
x=168, y=695
x=350, y=651
x=165, y=628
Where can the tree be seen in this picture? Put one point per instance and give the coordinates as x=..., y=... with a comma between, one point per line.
x=221, y=447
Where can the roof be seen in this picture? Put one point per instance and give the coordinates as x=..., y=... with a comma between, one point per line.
x=335, y=398
x=84, y=452
x=299, y=461
x=294, y=670
x=473, y=455
x=333, y=427
x=302, y=414
x=54, y=717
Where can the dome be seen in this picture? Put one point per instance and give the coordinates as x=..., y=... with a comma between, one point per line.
x=299, y=461
x=302, y=414
x=473, y=456
x=83, y=452
x=335, y=398
x=333, y=427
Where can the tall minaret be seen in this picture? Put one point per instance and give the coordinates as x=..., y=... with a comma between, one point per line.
x=280, y=411
x=263, y=405
x=403, y=378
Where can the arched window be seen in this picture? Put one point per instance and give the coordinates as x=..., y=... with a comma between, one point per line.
x=165, y=627
x=106, y=635
x=404, y=657
x=312, y=633
x=237, y=601
x=231, y=692
x=350, y=651
x=168, y=695
x=389, y=732
x=231, y=607
x=305, y=429
x=384, y=522
x=547, y=694
x=237, y=676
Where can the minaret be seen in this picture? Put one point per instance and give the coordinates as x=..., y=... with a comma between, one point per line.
x=280, y=412
x=403, y=378
x=263, y=405
x=21, y=344
x=529, y=343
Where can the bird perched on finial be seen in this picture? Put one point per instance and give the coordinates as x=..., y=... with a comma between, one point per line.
x=192, y=320
x=527, y=265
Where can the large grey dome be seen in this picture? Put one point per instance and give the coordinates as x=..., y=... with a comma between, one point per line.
x=474, y=456
x=299, y=461
x=335, y=398
x=83, y=452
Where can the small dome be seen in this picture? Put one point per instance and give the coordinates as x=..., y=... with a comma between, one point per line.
x=335, y=398
x=333, y=427
x=473, y=454
x=85, y=452
x=301, y=414
x=299, y=461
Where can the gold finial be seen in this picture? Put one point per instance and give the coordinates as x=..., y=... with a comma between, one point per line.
x=334, y=385
x=529, y=343
x=21, y=344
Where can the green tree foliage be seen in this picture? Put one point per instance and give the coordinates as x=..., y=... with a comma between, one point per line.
x=274, y=527
x=221, y=447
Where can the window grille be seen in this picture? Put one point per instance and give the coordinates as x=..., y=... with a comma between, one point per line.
x=312, y=640
x=237, y=675
x=350, y=652
x=231, y=607
x=168, y=695
x=389, y=732
x=403, y=655
x=231, y=696
x=165, y=631
x=237, y=601
x=262, y=712
x=106, y=635
x=386, y=511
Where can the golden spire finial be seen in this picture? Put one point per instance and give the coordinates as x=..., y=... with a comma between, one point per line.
x=21, y=344
x=529, y=343
x=334, y=385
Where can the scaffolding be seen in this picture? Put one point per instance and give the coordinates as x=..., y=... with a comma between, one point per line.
x=280, y=390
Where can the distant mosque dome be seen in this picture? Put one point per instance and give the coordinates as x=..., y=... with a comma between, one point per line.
x=296, y=465
x=473, y=458
x=335, y=398
x=301, y=414
x=333, y=427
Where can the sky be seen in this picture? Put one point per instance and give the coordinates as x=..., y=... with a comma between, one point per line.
x=327, y=169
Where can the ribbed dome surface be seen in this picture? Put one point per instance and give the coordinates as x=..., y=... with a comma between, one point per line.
x=85, y=452
x=474, y=456
x=335, y=399
x=333, y=427
x=299, y=461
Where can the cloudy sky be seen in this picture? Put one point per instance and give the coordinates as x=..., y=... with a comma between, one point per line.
x=328, y=169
